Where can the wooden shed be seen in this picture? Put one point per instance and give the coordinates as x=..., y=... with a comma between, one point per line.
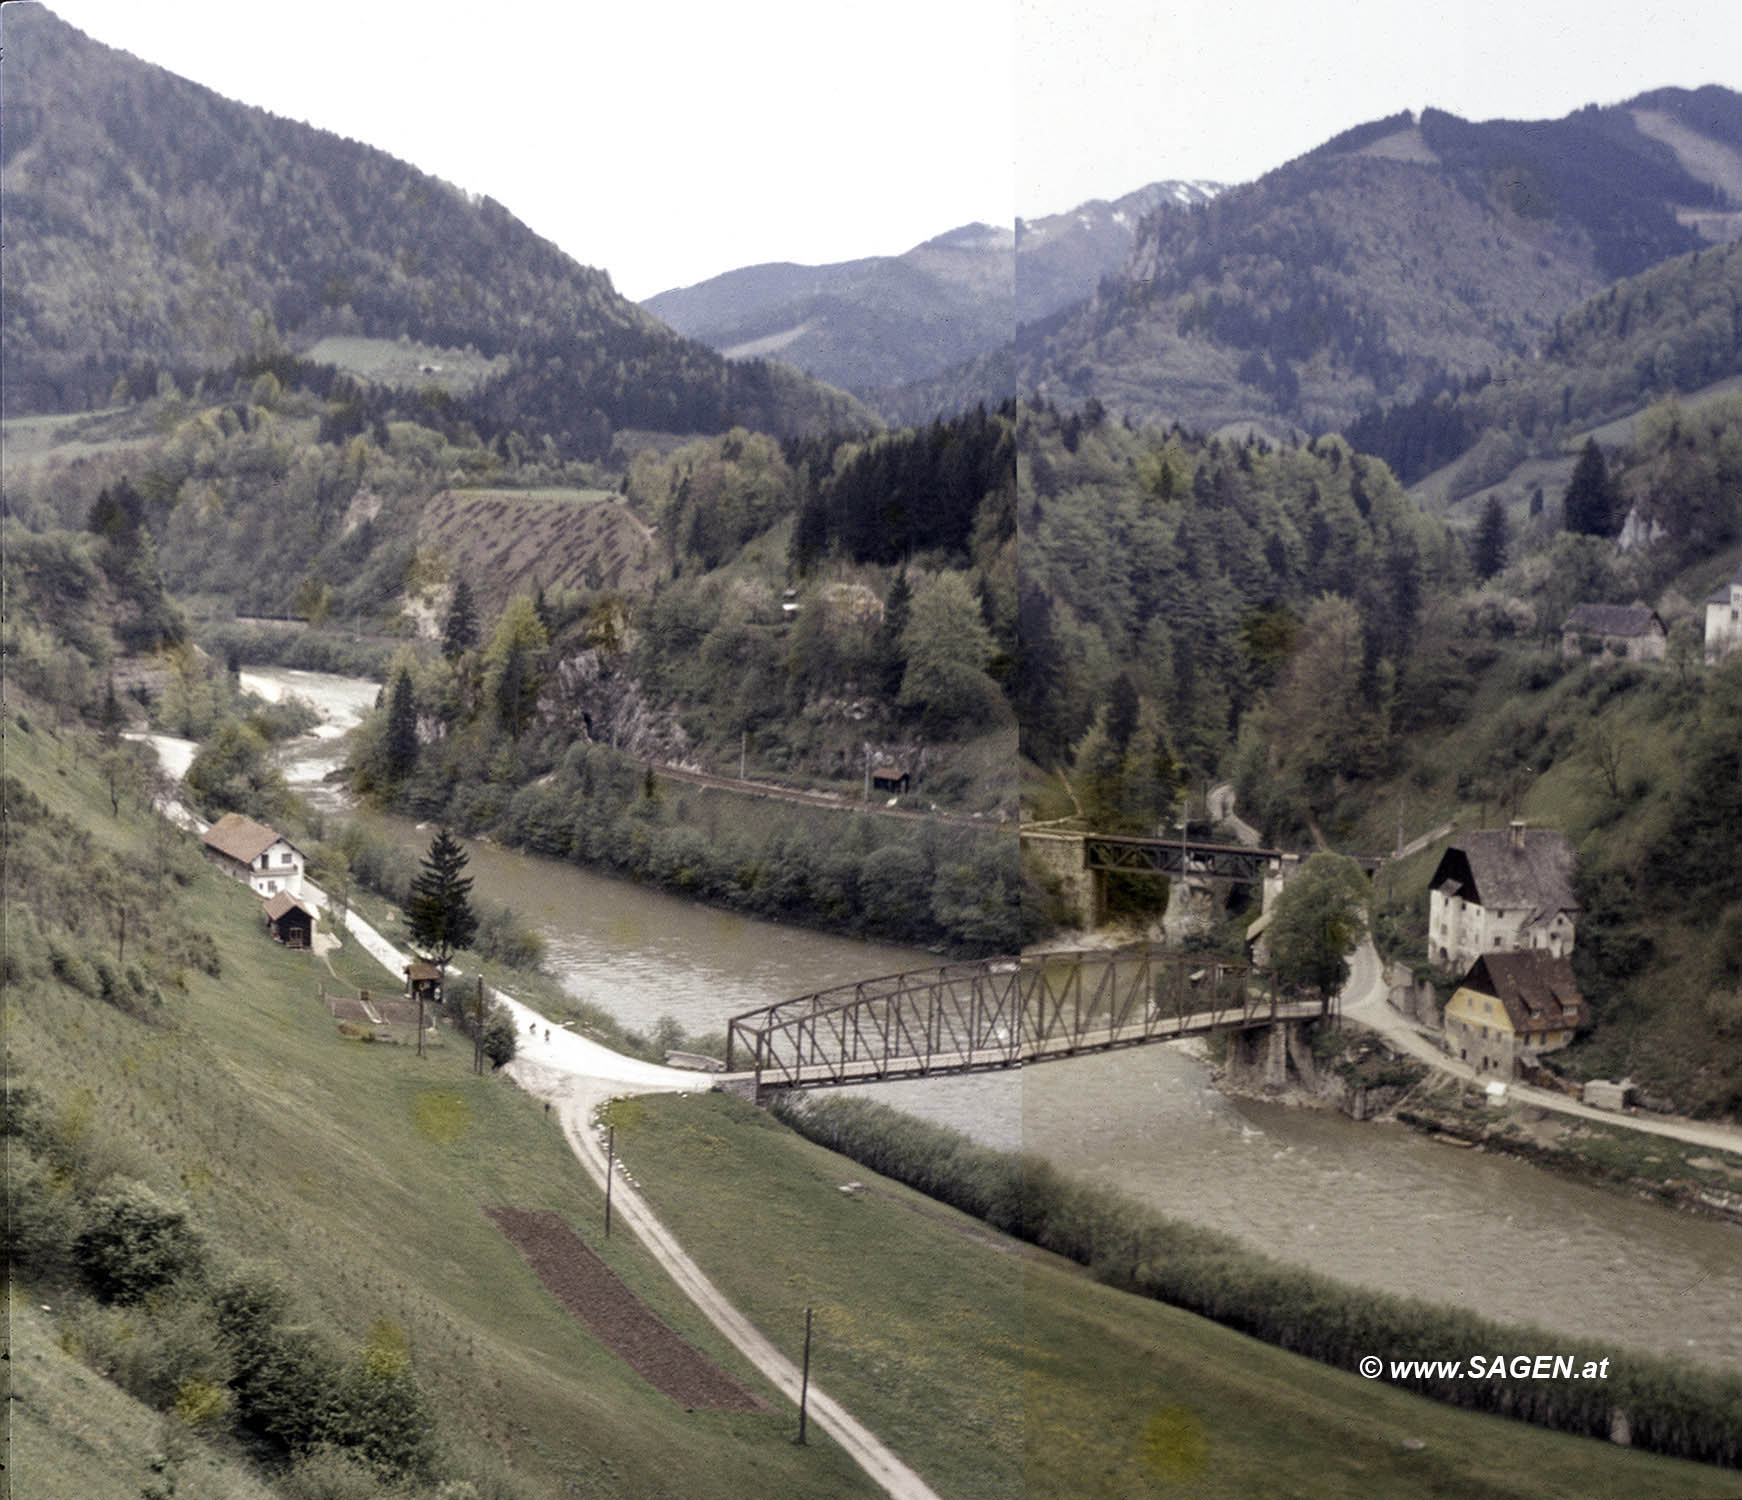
x=423, y=981
x=289, y=921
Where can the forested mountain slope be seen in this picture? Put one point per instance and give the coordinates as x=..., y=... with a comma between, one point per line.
x=1676, y=327
x=149, y=220
x=1399, y=252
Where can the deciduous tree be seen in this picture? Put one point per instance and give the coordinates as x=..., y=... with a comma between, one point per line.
x=1316, y=923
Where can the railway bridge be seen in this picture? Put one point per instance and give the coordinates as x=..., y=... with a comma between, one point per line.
x=1002, y=1013
x=1081, y=862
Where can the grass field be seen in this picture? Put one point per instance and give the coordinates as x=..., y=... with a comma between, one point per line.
x=362, y=1173
x=999, y=1370
x=405, y=364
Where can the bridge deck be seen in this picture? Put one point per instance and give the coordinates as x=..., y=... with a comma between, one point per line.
x=1001, y=1013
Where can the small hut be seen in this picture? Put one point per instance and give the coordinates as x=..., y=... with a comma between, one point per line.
x=423, y=981
x=891, y=779
x=289, y=921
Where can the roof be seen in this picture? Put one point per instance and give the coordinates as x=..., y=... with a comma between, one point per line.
x=1723, y=593
x=277, y=906
x=1536, y=988
x=1613, y=619
x=1486, y=869
x=417, y=971
x=242, y=838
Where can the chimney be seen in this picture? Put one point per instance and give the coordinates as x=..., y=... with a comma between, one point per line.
x=1518, y=833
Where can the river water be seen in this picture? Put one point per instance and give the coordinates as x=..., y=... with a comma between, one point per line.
x=1368, y=1203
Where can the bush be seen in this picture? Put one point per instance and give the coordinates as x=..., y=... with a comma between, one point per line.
x=501, y=1036
x=133, y=1243
x=45, y=1218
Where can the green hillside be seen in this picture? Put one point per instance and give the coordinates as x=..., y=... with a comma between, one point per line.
x=172, y=232
x=360, y=1174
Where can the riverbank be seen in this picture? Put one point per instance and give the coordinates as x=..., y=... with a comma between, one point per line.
x=1001, y=1368
x=1694, y=1179
x=1666, y=1405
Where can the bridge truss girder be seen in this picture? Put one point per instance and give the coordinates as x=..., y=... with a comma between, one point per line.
x=998, y=1013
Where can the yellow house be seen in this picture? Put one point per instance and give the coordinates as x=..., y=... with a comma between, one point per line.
x=1510, y=1004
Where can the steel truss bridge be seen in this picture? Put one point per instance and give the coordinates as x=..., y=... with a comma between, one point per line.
x=1192, y=857
x=999, y=1013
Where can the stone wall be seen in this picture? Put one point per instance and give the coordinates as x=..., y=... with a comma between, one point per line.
x=1060, y=857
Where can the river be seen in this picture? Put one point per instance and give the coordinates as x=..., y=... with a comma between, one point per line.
x=1369, y=1203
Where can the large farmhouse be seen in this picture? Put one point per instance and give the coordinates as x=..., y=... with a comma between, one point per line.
x=252, y=852
x=1631, y=631
x=1501, y=890
x=1512, y=1004
x=1724, y=620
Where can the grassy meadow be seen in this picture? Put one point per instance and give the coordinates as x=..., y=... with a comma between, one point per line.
x=361, y=1174
x=996, y=1369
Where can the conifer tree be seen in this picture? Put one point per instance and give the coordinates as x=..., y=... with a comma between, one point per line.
x=439, y=911
x=1488, y=553
x=401, y=745
x=460, y=630
x=1591, y=501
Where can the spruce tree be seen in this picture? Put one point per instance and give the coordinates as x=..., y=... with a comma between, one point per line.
x=400, y=750
x=891, y=651
x=1488, y=553
x=460, y=631
x=1591, y=501
x=439, y=911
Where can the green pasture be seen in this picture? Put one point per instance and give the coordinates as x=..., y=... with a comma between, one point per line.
x=361, y=1173
x=996, y=1369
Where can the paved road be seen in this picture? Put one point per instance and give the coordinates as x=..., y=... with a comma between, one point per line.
x=1364, y=1000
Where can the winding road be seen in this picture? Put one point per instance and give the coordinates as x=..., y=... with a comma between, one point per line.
x=577, y=1076
x=1364, y=1000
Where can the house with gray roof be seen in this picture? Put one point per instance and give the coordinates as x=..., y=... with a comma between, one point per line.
x=1502, y=890
x=1724, y=620
x=1630, y=631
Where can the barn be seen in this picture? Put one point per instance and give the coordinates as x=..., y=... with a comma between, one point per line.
x=289, y=921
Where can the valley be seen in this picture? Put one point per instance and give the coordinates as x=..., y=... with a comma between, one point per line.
x=627, y=668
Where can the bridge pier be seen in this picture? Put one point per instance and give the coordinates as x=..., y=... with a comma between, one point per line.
x=1063, y=858
x=1260, y=1057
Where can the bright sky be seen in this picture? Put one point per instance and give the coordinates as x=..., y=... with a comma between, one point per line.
x=668, y=142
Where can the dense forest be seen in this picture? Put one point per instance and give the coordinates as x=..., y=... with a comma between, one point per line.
x=171, y=254
x=1675, y=327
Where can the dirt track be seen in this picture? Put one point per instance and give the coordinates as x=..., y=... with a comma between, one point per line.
x=619, y=1319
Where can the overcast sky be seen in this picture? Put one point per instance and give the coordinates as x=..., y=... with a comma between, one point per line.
x=670, y=142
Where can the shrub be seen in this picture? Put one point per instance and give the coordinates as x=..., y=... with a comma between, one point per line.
x=500, y=1036
x=45, y=1218
x=133, y=1243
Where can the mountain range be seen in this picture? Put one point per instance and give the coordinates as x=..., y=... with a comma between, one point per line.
x=1403, y=252
x=883, y=321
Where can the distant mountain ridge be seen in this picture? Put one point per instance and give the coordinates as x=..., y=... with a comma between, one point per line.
x=150, y=220
x=1400, y=253
x=882, y=321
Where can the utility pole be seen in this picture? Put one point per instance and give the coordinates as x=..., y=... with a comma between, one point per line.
x=867, y=772
x=743, y=750
x=610, y=1172
x=804, y=1387
x=478, y=1028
